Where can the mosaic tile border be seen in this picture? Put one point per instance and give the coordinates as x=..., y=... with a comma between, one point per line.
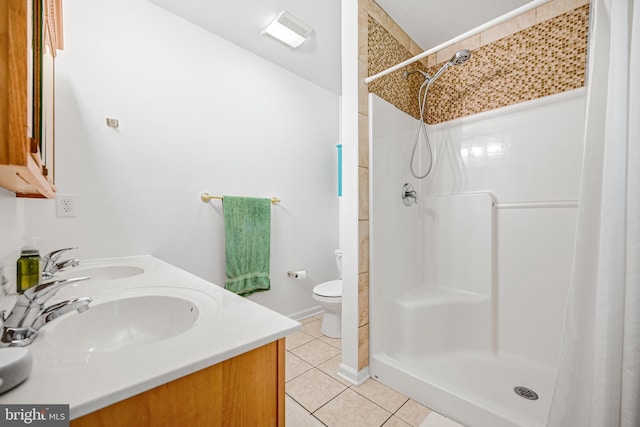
x=385, y=51
x=541, y=60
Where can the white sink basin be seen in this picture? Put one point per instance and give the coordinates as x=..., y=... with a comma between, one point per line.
x=103, y=272
x=15, y=367
x=125, y=322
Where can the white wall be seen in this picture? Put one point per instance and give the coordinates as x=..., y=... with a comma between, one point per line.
x=11, y=231
x=349, y=240
x=394, y=238
x=196, y=113
x=525, y=156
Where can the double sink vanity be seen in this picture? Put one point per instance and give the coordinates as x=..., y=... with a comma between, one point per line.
x=157, y=346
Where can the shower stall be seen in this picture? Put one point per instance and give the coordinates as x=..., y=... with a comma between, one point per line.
x=468, y=285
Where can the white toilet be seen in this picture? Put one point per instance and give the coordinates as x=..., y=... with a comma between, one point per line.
x=329, y=295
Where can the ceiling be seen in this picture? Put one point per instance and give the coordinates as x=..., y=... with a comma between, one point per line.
x=428, y=22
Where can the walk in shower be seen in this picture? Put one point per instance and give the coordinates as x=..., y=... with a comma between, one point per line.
x=469, y=284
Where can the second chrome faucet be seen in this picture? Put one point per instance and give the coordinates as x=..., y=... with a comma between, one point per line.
x=51, y=265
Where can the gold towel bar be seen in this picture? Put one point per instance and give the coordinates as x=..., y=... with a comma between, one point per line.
x=205, y=197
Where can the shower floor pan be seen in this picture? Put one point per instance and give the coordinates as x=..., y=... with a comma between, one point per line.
x=475, y=389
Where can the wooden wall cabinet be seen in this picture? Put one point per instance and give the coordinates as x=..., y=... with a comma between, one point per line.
x=247, y=390
x=30, y=35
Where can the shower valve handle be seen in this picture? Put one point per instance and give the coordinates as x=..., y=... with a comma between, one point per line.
x=409, y=196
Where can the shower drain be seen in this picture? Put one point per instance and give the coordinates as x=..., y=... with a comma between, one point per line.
x=527, y=393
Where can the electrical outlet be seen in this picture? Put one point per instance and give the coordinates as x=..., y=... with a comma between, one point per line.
x=66, y=205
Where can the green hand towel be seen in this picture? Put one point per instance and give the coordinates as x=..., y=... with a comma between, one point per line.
x=247, y=227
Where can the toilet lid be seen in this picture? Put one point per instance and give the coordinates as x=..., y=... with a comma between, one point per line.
x=329, y=289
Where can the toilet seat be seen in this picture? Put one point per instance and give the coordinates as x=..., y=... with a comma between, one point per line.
x=332, y=289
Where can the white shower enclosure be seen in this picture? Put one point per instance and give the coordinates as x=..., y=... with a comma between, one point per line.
x=468, y=286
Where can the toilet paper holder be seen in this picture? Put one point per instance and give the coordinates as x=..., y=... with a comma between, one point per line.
x=299, y=274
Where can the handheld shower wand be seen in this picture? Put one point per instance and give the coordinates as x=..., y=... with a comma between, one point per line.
x=460, y=57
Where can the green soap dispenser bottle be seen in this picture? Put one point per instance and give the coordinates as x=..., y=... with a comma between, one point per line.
x=28, y=269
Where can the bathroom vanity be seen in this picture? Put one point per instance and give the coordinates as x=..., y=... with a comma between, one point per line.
x=247, y=390
x=158, y=347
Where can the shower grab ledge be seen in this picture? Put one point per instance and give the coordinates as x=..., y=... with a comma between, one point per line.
x=537, y=204
x=434, y=295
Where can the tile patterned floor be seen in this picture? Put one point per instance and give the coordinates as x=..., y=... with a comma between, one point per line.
x=316, y=397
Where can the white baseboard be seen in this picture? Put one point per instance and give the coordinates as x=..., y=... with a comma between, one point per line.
x=309, y=312
x=354, y=377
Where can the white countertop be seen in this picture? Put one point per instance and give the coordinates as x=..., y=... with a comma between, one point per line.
x=228, y=325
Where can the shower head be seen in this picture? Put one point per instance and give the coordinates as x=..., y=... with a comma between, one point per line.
x=458, y=58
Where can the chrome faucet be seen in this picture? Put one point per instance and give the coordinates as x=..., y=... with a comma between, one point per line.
x=56, y=310
x=60, y=266
x=51, y=264
x=29, y=314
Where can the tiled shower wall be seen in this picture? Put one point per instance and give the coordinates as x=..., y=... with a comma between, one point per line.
x=536, y=54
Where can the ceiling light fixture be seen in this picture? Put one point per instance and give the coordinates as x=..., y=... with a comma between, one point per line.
x=288, y=29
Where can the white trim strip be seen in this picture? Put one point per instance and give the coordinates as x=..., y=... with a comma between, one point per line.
x=499, y=20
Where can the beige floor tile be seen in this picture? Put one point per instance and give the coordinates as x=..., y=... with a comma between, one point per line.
x=413, y=413
x=297, y=416
x=336, y=342
x=436, y=420
x=330, y=367
x=381, y=395
x=315, y=352
x=294, y=366
x=297, y=339
x=351, y=410
x=313, y=328
x=395, y=422
x=313, y=389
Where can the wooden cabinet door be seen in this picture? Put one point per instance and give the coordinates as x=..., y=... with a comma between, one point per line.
x=30, y=35
x=247, y=390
